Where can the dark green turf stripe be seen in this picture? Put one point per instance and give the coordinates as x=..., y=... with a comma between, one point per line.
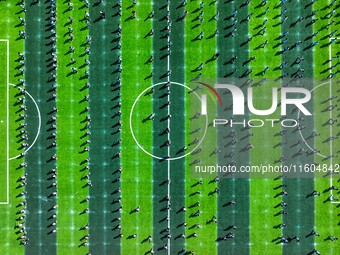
x=233, y=189
x=102, y=136
x=160, y=169
x=177, y=135
x=38, y=72
x=300, y=219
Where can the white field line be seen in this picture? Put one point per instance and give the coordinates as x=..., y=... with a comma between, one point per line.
x=39, y=123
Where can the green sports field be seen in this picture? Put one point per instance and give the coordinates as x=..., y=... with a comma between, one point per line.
x=101, y=127
x=3, y=121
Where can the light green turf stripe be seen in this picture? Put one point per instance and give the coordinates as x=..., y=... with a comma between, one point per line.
x=261, y=191
x=326, y=222
x=69, y=158
x=8, y=242
x=136, y=181
x=3, y=122
x=199, y=52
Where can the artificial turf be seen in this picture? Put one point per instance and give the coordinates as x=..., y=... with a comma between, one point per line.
x=3, y=121
x=102, y=94
x=262, y=192
x=324, y=211
x=141, y=176
x=204, y=49
x=71, y=132
x=136, y=189
x=9, y=213
x=296, y=187
x=233, y=189
x=38, y=159
x=160, y=168
x=177, y=125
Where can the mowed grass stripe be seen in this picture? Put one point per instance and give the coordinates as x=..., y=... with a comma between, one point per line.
x=177, y=126
x=34, y=170
x=137, y=167
x=325, y=212
x=197, y=52
x=189, y=63
x=9, y=243
x=335, y=49
x=227, y=46
x=191, y=49
x=70, y=133
x=160, y=168
x=3, y=122
x=104, y=137
x=38, y=73
x=262, y=191
x=231, y=188
x=298, y=221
